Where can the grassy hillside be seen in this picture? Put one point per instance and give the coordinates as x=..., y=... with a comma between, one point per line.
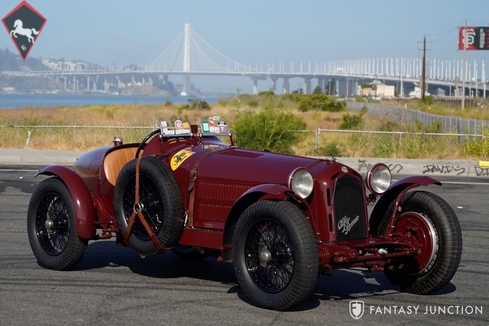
x=385, y=139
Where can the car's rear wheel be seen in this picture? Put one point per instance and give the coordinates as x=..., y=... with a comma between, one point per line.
x=428, y=220
x=160, y=203
x=275, y=254
x=51, y=226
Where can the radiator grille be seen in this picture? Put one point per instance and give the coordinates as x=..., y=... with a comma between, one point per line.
x=349, y=209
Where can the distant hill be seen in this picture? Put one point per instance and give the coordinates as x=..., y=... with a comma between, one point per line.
x=11, y=61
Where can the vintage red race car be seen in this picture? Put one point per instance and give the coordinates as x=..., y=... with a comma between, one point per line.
x=281, y=220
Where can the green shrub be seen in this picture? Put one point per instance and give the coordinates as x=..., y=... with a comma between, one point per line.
x=386, y=145
x=331, y=149
x=223, y=102
x=252, y=103
x=390, y=126
x=320, y=102
x=266, y=94
x=196, y=105
x=477, y=147
x=351, y=122
x=269, y=129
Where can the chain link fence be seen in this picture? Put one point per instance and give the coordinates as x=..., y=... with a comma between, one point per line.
x=459, y=137
x=391, y=144
x=409, y=117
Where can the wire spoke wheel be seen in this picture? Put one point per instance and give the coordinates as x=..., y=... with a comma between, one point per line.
x=275, y=254
x=151, y=206
x=51, y=226
x=270, y=256
x=160, y=204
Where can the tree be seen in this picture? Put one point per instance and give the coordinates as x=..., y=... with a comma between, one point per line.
x=330, y=88
x=317, y=90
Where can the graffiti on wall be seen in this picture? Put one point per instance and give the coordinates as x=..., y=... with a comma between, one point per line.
x=435, y=169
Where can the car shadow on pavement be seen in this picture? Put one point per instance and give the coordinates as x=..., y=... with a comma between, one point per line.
x=338, y=285
x=354, y=284
x=102, y=254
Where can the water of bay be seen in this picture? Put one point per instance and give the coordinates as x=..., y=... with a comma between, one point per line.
x=24, y=100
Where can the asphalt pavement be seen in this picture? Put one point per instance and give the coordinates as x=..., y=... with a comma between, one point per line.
x=455, y=168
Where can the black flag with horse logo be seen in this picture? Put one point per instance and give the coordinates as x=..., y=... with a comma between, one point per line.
x=24, y=24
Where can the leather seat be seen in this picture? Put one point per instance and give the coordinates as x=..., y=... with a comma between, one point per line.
x=115, y=161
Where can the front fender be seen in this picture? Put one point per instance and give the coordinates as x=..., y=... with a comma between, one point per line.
x=268, y=191
x=82, y=200
x=396, y=189
x=252, y=195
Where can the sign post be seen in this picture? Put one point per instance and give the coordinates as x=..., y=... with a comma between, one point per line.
x=471, y=38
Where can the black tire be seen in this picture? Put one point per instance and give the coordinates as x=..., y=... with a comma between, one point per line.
x=275, y=255
x=189, y=253
x=161, y=203
x=51, y=227
x=432, y=222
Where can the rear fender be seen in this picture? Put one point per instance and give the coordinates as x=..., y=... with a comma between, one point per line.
x=82, y=200
x=396, y=192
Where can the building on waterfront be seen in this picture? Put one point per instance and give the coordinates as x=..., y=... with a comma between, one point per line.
x=376, y=89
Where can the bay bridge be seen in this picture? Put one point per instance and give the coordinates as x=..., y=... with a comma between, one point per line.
x=190, y=55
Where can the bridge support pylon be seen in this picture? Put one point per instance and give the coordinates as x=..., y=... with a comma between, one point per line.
x=307, y=85
x=120, y=84
x=286, y=86
x=255, y=84
x=274, y=84
x=186, y=85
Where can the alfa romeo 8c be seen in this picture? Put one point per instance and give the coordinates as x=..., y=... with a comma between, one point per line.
x=281, y=220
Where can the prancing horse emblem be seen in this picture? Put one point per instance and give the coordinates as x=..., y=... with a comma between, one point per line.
x=19, y=29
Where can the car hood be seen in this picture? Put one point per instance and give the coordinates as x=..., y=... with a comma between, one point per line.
x=256, y=167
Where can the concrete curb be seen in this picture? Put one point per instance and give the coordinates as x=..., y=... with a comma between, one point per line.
x=456, y=168
x=13, y=156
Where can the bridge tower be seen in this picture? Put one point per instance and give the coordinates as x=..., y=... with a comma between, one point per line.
x=186, y=60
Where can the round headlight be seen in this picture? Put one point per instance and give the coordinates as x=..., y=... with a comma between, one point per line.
x=378, y=178
x=301, y=182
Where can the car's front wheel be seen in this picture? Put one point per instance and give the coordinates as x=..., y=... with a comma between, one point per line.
x=275, y=254
x=429, y=221
x=51, y=227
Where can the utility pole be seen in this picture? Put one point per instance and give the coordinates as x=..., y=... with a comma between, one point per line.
x=423, y=71
x=464, y=67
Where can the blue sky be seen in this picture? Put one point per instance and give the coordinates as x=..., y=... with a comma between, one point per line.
x=136, y=32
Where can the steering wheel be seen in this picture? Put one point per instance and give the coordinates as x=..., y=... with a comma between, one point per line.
x=143, y=142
